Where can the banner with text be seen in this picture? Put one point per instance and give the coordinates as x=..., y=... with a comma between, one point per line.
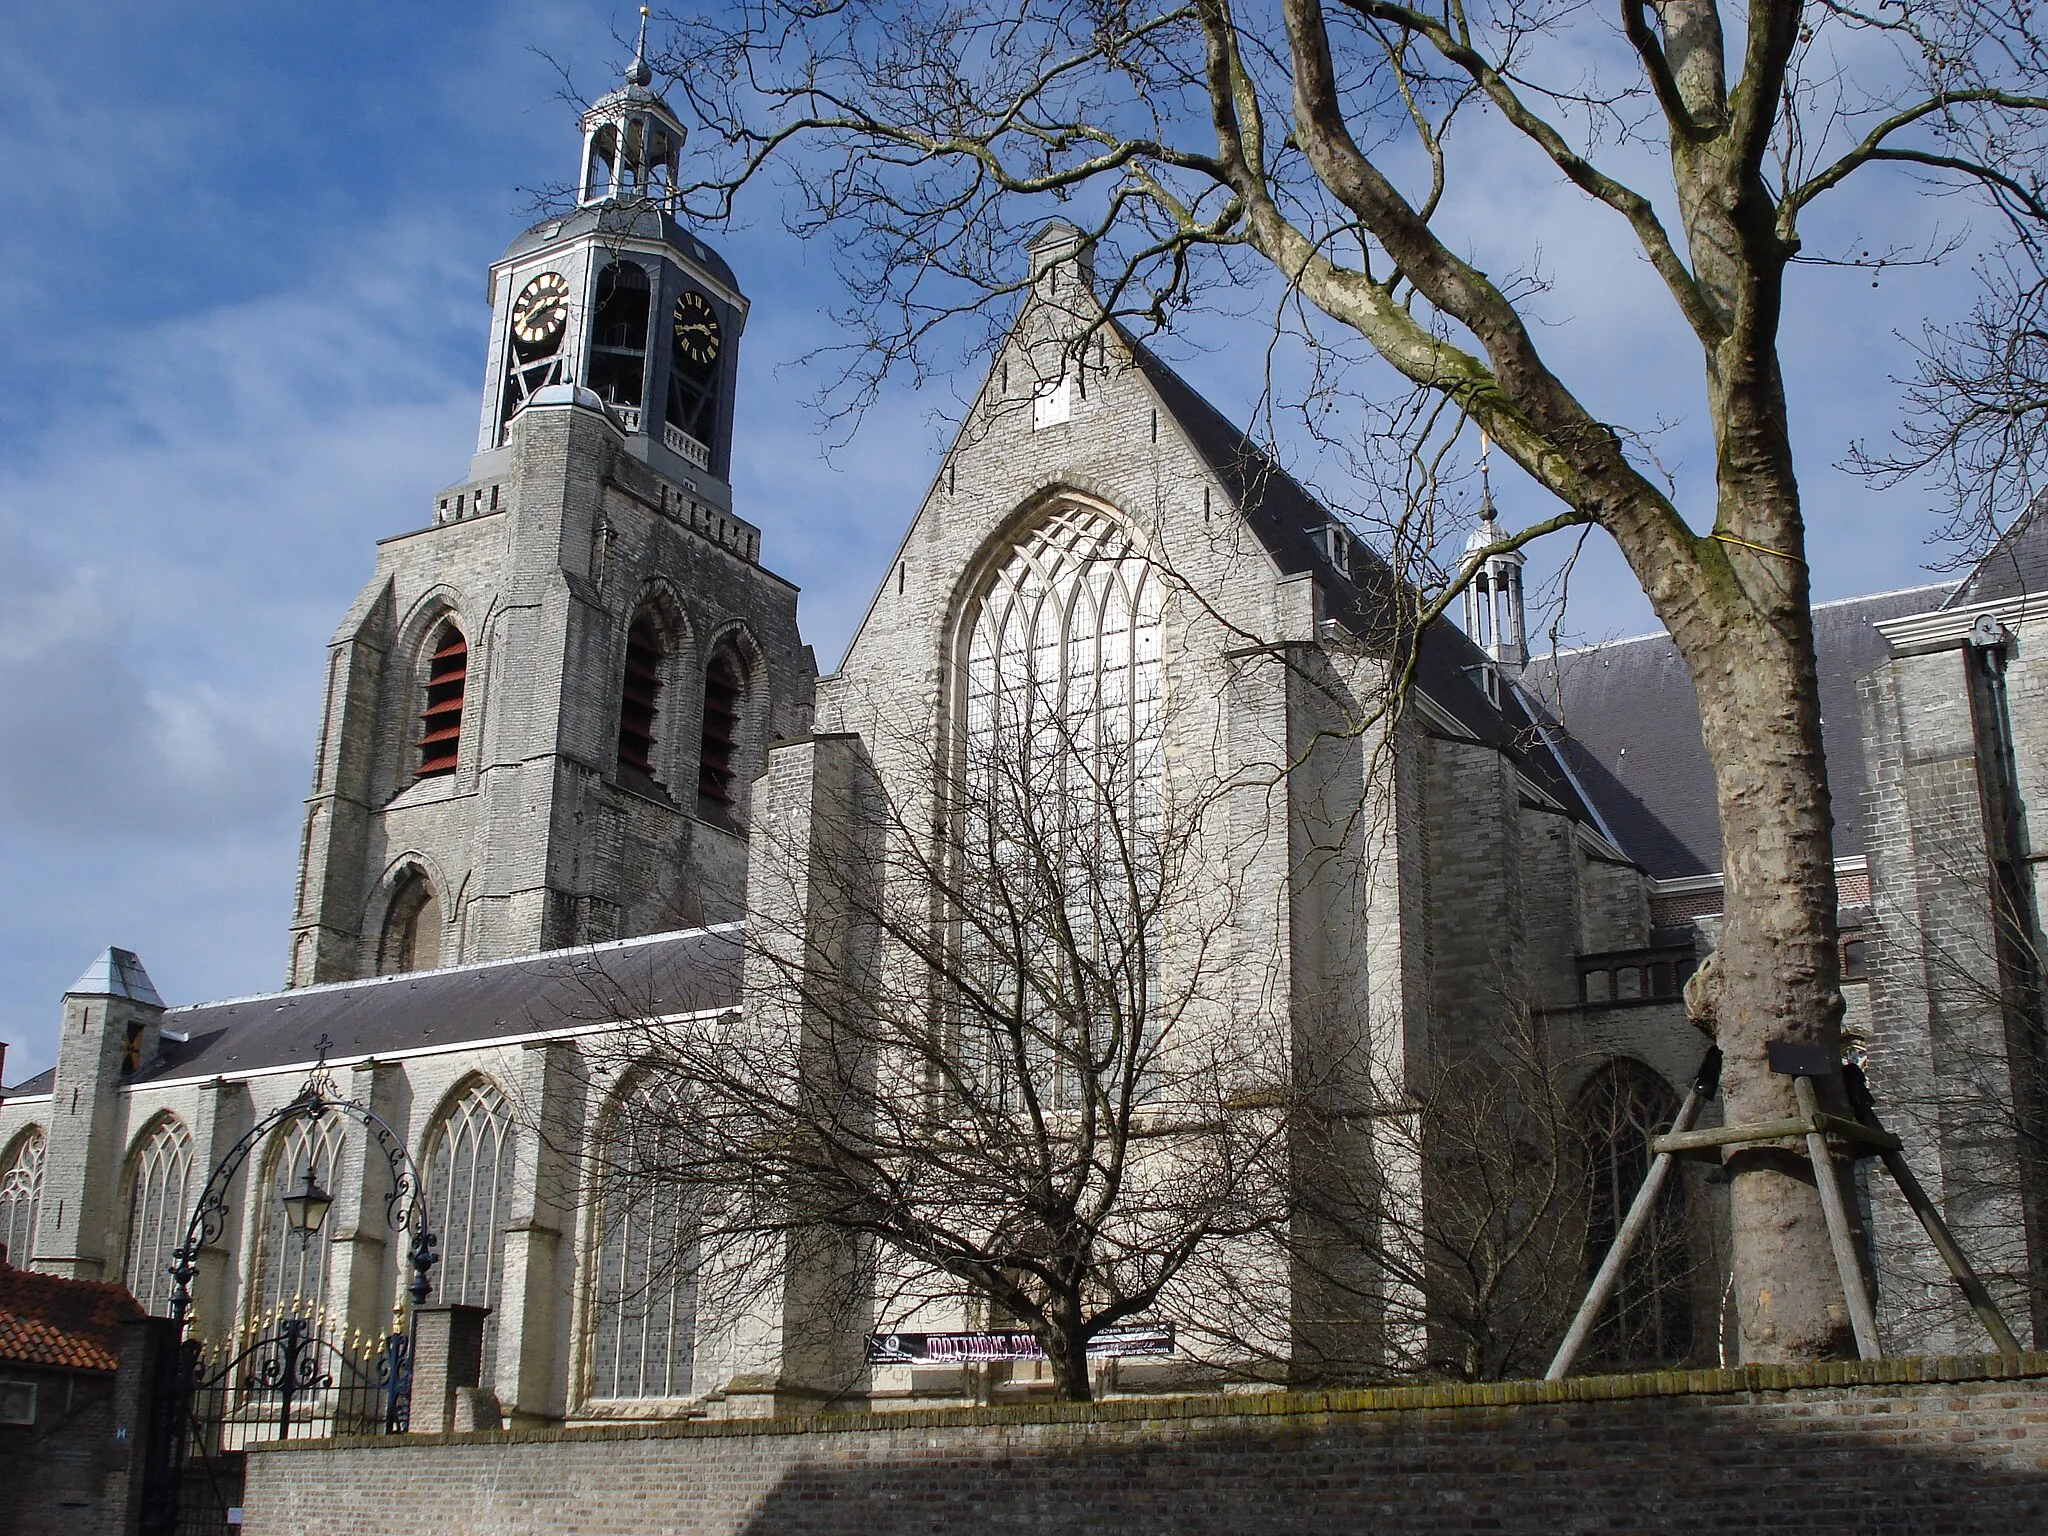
x=1010, y=1344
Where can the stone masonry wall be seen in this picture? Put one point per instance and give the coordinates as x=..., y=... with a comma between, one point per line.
x=1893, y=1446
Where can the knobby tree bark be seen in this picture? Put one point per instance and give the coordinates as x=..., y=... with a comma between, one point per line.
x=1207, y=140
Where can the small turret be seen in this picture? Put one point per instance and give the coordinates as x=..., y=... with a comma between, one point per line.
x=112, y=1027
x=1493, y=596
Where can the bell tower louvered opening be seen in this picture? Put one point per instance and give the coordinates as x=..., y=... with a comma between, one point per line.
x=641, y=699
x=721, y=727
x=441, y=721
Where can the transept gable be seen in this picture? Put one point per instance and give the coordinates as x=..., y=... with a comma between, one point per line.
x=1224, y=517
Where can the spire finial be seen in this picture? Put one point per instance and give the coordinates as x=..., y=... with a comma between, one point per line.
x=1486, y=509
x=637, y=72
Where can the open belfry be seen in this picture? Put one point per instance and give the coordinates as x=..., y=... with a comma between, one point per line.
x=576, y=771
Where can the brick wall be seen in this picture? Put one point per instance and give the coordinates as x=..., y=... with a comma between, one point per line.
x=1898, y=1445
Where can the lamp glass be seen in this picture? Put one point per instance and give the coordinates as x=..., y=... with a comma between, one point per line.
x=305, y=1208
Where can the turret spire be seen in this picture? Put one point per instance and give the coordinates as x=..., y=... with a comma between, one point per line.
x=1493, y=593
x=637, y=72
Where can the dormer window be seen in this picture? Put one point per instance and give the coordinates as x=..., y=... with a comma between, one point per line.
x=641, y=697
x=441, y=720
x=722, y=683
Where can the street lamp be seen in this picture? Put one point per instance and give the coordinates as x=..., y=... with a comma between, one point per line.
x=305, y=1209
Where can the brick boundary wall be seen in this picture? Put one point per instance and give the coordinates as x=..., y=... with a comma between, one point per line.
x=1909, y=1445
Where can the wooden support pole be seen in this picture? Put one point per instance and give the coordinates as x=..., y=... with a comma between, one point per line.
x=1827, y=1182
x=1973, y=1288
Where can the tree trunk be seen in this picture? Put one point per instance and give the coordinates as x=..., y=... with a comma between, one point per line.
x=1066, y=1351
x=1760, y=719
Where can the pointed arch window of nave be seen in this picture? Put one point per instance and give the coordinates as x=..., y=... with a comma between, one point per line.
x=21, y=1196
x=643, y=1283
x=159, y=1203
x=291, y=1269
x=469, y=1165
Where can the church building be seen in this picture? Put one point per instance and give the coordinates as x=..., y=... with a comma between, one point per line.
x=572, y=740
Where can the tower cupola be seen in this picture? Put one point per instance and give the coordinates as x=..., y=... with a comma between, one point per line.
x=1494, y=618
x=632, y=142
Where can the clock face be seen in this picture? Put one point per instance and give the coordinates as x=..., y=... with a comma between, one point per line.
x=542, y=309
x=697, y=334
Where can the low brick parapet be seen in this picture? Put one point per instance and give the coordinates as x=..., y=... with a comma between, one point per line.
x=1908, y=1444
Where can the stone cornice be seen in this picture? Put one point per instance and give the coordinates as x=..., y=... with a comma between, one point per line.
x=1918, y=634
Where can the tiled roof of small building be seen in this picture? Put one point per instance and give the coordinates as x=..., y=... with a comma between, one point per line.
x=69, y=1324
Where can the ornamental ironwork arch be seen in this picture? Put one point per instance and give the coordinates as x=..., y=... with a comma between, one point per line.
x=405, y=1206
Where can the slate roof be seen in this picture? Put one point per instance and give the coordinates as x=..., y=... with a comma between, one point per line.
x=1288, y=521
x=2016, y=565
x=627, y=220
x=1634, y=740
x=70, y=1324
x=667, y=974
x=43, y=1082
x=116, y=973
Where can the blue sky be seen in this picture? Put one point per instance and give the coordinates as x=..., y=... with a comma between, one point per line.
x=244, y=264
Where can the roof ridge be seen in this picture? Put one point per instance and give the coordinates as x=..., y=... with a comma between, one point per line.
x=1665, y=634
x=452, y=970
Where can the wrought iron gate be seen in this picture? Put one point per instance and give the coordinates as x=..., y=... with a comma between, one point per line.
x=294, y=1380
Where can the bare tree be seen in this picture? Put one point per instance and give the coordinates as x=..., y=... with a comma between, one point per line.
x=1011, y=1081
x=1525, y=1160
x=1976, y=427
x=1314, y=141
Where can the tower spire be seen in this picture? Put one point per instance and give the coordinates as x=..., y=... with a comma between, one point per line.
x=1486, y=509
x=637, y=72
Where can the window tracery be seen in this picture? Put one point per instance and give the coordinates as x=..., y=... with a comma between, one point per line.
x=1060, y=778
x=469, y=1200
x=159, y=1203
x=1649, y=1319
x=21, y=1197
x=643, y=1283
x=291, y=1269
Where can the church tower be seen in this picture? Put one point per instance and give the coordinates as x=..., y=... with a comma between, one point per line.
x=546, y=709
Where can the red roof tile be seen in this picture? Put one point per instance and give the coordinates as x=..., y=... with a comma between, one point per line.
x=73, y=1324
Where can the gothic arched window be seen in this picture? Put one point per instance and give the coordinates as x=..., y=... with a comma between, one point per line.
x=643, y=1283
x=291, y=1269
x=1649, y=1320
x=21, y=1197
x=618, y=336
x=411, y=940
x=159, y=1203
x=441, y=720
x=469, y=1200
x=1059, y=779
x=1063, y=665
x=640, y=699
x=725, y=682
